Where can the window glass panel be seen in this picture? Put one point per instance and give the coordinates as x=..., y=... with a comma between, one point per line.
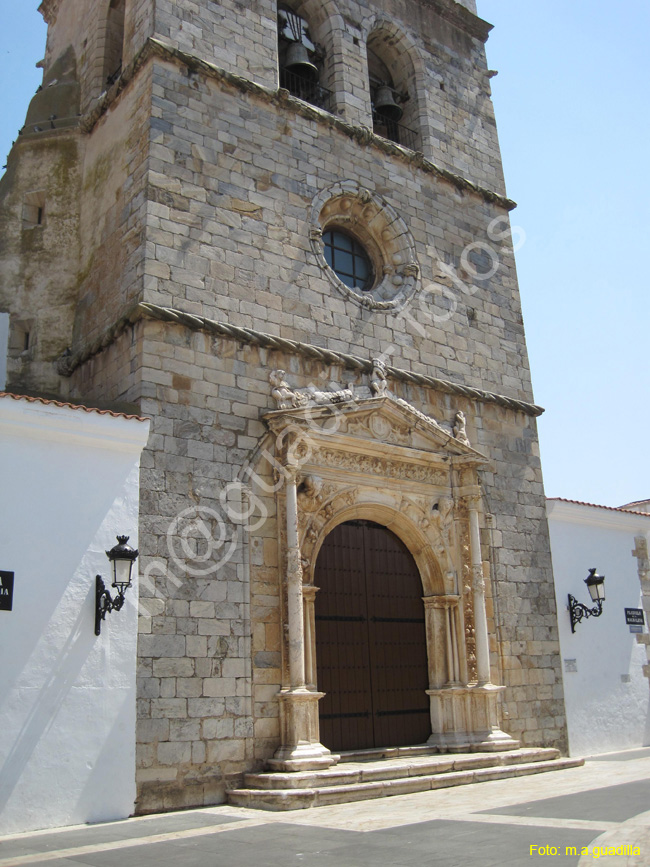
x=361, y=269
x=348, y=259
x=343, y=262
x=343, y=242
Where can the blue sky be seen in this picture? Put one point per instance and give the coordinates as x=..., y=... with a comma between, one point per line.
x=571, y=101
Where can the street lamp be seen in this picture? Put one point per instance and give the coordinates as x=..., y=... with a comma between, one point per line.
x=596, y=585
x=122, y=558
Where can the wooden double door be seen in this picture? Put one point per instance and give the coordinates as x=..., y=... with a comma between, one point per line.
x=371, y=645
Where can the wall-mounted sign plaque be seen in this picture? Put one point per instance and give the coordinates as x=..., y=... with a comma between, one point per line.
x=634, y=617
x=6, y=590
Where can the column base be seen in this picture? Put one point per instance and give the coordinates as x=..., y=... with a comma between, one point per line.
x=465, y=719
x=301, y=749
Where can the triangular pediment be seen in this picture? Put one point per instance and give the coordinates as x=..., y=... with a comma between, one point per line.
x=383, y=420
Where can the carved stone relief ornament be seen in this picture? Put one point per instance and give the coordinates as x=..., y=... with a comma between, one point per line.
x=440, y=521
x=377, y=425
x=289, y=398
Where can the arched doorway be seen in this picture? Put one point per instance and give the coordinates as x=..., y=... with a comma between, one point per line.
x=371, y=645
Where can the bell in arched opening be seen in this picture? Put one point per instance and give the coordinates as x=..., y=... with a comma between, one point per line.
x=385, y=104
x=297, y=62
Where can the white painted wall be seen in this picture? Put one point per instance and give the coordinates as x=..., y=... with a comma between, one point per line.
x=608, y=697
x=4, y=346
x=67, y=698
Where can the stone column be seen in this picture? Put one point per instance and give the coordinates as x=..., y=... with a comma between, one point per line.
x=295, y=613
x=465, y=717
x=309, y=597
x=478, y=584
x=300, y=749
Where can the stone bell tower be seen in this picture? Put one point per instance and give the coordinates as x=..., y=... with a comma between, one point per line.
x=281, y=231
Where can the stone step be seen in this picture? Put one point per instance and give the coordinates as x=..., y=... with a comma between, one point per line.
x=371, y=771
x=350, y=788
x=390, y=753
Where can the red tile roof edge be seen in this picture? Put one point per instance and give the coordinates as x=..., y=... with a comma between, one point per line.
x=597, y=506
x=47, y=402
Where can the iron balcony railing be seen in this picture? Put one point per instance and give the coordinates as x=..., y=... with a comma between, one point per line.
x=394, y=131
x=309, y=91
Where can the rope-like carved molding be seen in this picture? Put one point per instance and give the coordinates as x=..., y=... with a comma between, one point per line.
x=67, y=364
x=362, y=134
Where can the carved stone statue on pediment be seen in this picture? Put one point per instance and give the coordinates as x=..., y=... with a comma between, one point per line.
x=325, y=397
x=460, y=431
x=289, y=398
x=379, y=380
x=284, y=396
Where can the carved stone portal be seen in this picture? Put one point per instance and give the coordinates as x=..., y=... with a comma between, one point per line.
x=381, y=460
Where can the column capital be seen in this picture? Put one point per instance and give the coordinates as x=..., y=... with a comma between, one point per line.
x=440, y=601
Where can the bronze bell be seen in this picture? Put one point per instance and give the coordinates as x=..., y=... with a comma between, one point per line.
x=297, y=61
x=385, y=104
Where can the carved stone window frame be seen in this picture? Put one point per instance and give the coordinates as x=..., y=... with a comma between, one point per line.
x=382, y=232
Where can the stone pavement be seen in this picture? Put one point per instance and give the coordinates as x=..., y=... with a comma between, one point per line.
x=603, y=804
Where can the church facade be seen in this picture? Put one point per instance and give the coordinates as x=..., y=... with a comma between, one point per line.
x=282, y=234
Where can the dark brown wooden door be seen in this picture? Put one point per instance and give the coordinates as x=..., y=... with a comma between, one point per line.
x=370, y=641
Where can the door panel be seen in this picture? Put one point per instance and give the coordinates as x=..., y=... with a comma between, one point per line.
x=370, y=641
x=342, y=642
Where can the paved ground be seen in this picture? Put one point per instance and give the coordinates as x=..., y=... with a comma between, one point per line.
x=586, y=809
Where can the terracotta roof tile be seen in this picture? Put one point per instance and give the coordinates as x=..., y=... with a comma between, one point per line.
x=47, y=402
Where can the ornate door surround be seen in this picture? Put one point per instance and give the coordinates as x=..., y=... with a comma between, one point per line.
x=379, y=459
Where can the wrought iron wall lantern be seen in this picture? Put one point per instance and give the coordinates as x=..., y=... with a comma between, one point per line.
x=596, y=585
x=122, y=558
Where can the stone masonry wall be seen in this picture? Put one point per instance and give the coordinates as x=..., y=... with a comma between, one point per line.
x=113, y=208
x=229, y=235
x=210, y=645
x=37, y=284
x=452, y=89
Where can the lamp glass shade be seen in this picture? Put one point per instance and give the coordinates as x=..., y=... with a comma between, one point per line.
x=596, y=585
x=122, y=573
x=122, y=557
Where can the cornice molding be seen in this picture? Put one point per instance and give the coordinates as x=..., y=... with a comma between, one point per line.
x=155, y=48
x=461, y=17
x=67, y=364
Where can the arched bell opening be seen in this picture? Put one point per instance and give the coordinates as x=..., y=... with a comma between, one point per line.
x=302, y=60
x=393, y=86
x=371, y=640
x=114, y=41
